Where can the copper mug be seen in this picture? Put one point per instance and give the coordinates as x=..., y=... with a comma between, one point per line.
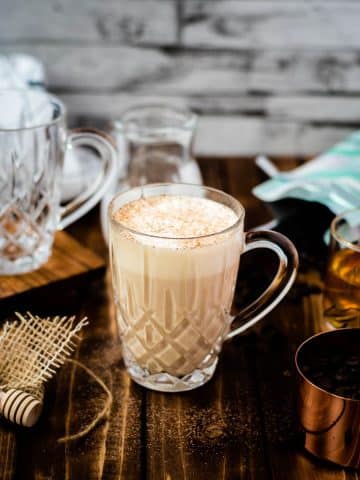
x=331, y=422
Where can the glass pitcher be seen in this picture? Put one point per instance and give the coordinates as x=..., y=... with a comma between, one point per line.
x=155, y=143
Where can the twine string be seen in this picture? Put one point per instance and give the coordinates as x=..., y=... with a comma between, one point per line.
x=102, y=415
x=32, y=349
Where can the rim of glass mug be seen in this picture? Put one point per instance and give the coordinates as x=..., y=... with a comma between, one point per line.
x=61, y=109
x=188, y=123
x=334, y=229
x=240, y=210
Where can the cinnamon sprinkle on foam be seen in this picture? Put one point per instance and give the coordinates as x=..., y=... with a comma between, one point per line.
x=176, y=216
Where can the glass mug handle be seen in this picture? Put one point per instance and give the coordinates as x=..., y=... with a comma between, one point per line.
x=87, y=199
x=281, y=283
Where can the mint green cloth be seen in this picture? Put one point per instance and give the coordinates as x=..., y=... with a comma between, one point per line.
x=332, y=178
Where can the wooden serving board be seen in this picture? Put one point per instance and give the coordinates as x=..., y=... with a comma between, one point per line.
x=69, y=261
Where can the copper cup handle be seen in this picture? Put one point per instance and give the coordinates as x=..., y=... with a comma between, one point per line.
x=281, y=283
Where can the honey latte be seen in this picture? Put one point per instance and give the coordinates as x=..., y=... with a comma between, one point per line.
x=173, y=280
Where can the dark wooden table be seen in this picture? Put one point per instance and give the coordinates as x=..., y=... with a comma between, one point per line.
x=241, y=425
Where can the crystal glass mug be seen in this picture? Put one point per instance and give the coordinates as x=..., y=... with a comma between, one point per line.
x=33, y=141
x=173, y=296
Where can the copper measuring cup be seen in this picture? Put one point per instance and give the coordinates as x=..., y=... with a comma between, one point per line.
x=331, y=422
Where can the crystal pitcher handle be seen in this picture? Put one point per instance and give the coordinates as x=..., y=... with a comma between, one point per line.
x=281, y=283
x=87, y=199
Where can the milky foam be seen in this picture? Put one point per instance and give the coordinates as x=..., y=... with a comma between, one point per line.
x=176, y=216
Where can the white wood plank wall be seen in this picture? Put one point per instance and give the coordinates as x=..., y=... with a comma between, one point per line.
x=274, y=76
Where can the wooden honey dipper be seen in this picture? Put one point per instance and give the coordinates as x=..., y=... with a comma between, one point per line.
x=20, y=407
x=31, y=351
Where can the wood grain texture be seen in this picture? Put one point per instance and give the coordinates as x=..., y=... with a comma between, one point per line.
x=191, y=71
x=246, y=104
x=69, y=260
x=270, y=24
x=275, y=76
x=258, y=70
x=339, y=110
x=226, y=135
x=285, y=130
x=95, y=68
x=213, y=435
x=113, y=450
x=128, y=21
x=241, y=425
x=7, y=454
x=278, y=66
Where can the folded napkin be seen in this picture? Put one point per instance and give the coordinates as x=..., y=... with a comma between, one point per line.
x=23, y=72
x=332, y=179
x=20, y=71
